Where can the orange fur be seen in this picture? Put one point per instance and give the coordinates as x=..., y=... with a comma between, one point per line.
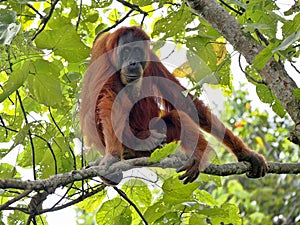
x=102, y=85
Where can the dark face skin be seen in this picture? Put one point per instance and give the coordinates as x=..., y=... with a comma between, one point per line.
x=131, y=57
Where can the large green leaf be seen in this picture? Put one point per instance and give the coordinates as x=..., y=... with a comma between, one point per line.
x=164, y=152
x=264, y=93
x=199, y=66
x=114, y=212
x=205, y=51
x=175, y=191
x=139, y=191
x=15, y=80
x=20, y=137
x=92, y=203
x=64, y=41
x=229, y=214
x=155, y=211
x=45, y=83
x=7, y=171
x=278, y=108
x=174, y=23
x=266, y=96
x=47, y=89
x=263, y=57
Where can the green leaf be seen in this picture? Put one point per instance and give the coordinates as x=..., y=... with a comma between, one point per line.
x=92, y=203
x=278, y=108
x=199, y=66
x=205, y=198
x=112, y=212
x=20, y=137
x=156, y=211
x=164, y=152
x=7, y=171
x=229, y=214
x=175, y=191
x=297, y=93
x=264, y=93
x=71, y=77
x=197, y=219
x=252, y=73
x=266, y=96
x=250, y=27
x=92, y=16
x=101, y=3
x=44, y=84
x=263, y=57
x=141, y=3
x=291, y=26
x=265, y=21
x=15, y=80
x=64, y=41
x=204, y=51
x=171, y=217
x=139, y=191
x=47, y=89
x=287, y=42
x=174, y=23
x=214, y=212
x=4, y=152
x=17, y=217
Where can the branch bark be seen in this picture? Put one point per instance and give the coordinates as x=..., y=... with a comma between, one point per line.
x=62, y=180
x=273, y=74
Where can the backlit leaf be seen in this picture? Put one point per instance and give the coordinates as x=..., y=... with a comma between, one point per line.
x=164, y=152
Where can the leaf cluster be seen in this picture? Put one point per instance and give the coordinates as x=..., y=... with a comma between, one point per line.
x=44, y=52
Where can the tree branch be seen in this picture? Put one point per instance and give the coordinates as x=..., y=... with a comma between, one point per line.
x=274, y=74
x=123, y=195
x=62, y=180
x=113, y=26
x=45, y=20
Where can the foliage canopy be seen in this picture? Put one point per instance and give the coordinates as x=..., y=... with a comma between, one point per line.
x=44, y=48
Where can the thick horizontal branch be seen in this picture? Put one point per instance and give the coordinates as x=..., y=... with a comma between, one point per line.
x=61, y=180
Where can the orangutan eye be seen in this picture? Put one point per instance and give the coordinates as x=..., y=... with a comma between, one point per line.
x=125, y=53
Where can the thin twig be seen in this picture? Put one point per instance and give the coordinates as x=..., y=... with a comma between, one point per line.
x=113, y=26
x=26, y=121
x=79, y=14
x=35, y=10
x=3, y=125
x=123, y=195
x=247, y=75
x=43, y=139
x=261, y=37
x=62, y=133
x=295, y=68
x=45, y=20
x=80, y=199
x=29, y=134
x=15, y=199
x=133, y=6
x=231, y=8
x=69, y=188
